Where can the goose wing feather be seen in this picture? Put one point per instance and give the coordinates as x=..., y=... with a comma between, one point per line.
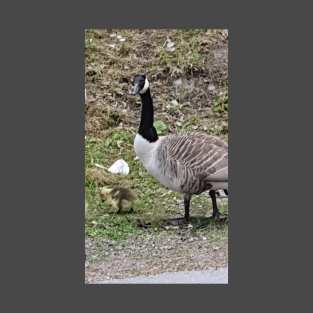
x=196, y=160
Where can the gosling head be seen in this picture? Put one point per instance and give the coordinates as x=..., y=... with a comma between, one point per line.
x=105, y=193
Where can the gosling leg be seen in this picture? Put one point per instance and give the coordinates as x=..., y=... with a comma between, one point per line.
x=119, y=205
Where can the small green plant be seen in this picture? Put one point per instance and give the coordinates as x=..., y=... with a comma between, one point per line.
x=90, y=44
x=220, y=104
x=160, y=127
x=186, y=56
x=124, y=50
x=117, y=139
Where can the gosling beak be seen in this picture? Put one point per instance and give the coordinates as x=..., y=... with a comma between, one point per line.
x=135, y=90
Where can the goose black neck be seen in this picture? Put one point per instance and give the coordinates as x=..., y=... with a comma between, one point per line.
x=146, y=128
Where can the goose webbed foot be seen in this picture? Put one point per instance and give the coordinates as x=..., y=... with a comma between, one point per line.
x=216, y=215
x=180, y=221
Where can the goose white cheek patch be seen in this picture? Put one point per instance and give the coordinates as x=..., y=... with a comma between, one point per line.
x=145, y=87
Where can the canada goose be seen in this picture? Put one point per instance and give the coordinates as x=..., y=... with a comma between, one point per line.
x=189, y=164
x=119, y=198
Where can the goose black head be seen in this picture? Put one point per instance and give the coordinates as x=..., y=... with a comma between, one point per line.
x=140, y=85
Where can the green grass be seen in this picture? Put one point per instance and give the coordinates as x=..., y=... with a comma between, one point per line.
x=220, y=104
x=153, y=204
x=186, y=56
x=111, y=226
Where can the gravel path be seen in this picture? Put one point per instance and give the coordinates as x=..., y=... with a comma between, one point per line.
x=211, y=276
x=153, y=254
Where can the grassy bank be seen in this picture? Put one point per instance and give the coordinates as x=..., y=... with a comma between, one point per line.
x=189, y=88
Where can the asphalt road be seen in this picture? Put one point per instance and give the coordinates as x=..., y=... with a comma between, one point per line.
x=212, y=276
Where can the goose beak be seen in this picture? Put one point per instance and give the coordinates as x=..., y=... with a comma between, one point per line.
x=135, y=90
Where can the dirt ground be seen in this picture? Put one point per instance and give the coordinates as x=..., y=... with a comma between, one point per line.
x=184, y=82
x=153, y=253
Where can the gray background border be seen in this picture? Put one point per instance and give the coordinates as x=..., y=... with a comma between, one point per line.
x=42, y=130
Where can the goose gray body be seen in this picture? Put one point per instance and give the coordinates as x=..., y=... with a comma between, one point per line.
x=190, y=163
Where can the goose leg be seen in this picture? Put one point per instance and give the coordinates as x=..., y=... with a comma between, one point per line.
x=187, y=199
x=216, y=213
